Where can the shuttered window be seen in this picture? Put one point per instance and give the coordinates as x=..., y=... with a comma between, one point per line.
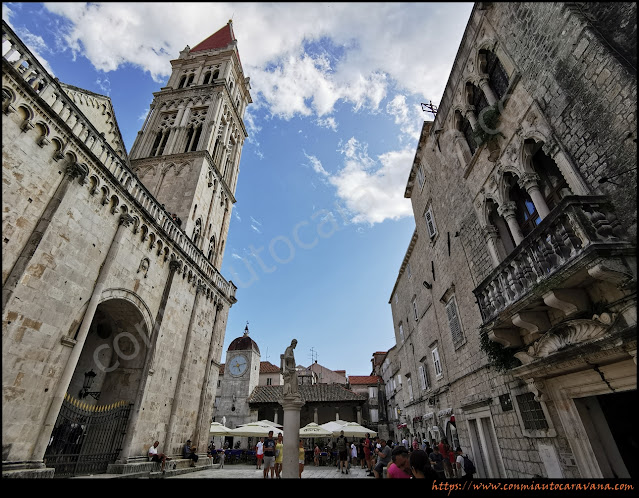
x=423, y=377
x=430, y=222
x=436, y=363
x=453, y=321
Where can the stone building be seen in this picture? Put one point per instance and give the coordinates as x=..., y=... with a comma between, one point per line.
x=515, y=306
x=113, y=314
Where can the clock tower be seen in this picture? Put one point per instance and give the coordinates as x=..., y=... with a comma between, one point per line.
x=241, y=376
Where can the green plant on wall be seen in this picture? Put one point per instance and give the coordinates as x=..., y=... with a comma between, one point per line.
x=487, y=122
x=500, y=357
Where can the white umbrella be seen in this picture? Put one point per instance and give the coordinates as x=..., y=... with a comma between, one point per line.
x=314, y=430
x=218, y=429
x=254, y=429
x=334, y=425
x=353, y=429
x=271, y=423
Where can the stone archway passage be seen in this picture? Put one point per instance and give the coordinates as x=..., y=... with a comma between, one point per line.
x=115, y=351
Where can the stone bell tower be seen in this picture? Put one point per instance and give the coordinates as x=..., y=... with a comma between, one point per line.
x=188, y=151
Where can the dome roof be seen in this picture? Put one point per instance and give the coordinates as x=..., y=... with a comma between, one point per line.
x=243, y=343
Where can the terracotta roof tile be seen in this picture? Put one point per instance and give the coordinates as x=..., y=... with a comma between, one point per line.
x=317, y=393
x=363, y=379
x=222, y=38
x=268, y=367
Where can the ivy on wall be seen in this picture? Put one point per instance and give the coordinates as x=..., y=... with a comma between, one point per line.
x=501, y=358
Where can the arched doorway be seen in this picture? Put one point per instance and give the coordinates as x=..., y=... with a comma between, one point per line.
x=90, y=427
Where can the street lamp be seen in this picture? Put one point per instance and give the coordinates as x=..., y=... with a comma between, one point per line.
x=88, y=381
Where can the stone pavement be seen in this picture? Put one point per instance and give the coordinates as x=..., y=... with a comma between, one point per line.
x=244, y=471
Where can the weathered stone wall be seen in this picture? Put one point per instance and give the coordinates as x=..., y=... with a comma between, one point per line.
x=588, y=96
x=45, y=310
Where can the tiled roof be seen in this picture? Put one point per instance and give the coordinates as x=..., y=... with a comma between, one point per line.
x=268, y=367
x=220, y=39
x=317, y=393
x=364, y=379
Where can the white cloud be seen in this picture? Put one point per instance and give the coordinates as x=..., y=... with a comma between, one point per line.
x=373, y=191
x=370, y=46
x=256, y=229
x=316, y=164
x=329, y=123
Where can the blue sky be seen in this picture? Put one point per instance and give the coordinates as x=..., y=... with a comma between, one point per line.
x=321, y=224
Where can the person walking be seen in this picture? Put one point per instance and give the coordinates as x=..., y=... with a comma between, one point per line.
x=316, y=455
x=279, y=455
x=353, y=461
x=367, y=454
x=259, y=452
x=437, y=461
x=342, y=451
x=269, y=455
x=301, y=456
x=383, y=458
x=446, y=450
x=465, y=466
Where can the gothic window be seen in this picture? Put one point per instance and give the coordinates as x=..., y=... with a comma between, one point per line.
x=231, y=86
x=182, y=81
x=476, y=98
x=497, y=77
x=196, y=138
x=207, y=78
x=156, y=144
x=552, y=184
x=163, y=143
x=497, y=221
x=466, y=129
x=188, y=83
x=526, y=213
x=216, y=74
x=189, y=138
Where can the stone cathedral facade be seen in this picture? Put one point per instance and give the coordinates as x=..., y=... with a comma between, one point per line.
x=113, y=315
x=515, y=305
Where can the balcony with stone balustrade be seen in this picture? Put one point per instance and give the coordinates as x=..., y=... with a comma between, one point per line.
x=558, y=271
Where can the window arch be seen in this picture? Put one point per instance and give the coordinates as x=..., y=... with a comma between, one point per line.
x=526, y=212
x=490, y=65
x=216, y=74
x=463, y=125
x=188, y=83
x=182, y=81
x=207, y=78
x=476, y=98
x=552, y=184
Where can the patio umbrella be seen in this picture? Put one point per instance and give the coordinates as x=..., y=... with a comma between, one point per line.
x=254, y=429
x=334, y=425
x=314, y=430
x=353, y=429
x=218, y=429
x=278, y=426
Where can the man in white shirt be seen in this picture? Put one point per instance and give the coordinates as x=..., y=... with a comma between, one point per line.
x=155, y=456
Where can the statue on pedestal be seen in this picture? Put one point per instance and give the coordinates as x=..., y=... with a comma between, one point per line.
x=289, y=372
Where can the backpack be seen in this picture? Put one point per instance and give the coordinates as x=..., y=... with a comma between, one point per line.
x=469, y=466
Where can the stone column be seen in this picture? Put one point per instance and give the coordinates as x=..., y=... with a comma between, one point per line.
x=469, y=113
x=315, y=416
x=146, y=371
x=72, y=171
x=491, y=234
x=168, y=445
x=275, y=417
x=530, y=183
x=359, y=415
x=292, y=406
x=507, y=210
x=61, y=389
x=204, y=422
x=484, y=84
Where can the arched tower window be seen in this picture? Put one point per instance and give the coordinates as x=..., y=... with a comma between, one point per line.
x=188, y=83
x=189, y=138
x=526, y=212
x=216, y=74
x=182, y=81
x=164, y=140
x=196, y=137
x=497, y=77
x=156, y=144
x=207, y=78
x=476, y=98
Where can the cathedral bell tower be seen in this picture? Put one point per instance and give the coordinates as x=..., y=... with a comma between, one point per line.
x=188, y=151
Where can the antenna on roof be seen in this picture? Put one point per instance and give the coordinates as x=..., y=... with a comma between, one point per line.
x=313, y=356
x=430, y=108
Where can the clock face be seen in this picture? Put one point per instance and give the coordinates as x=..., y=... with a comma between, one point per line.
x=238, y=365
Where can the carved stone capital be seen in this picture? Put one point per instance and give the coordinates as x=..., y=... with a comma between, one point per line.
x=74, y=170
x=490, y=232
x=529, y=181
x=174, y=265
x=507, y=209
x=126, y=220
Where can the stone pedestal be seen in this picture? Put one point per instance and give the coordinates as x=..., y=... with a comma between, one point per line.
x=292, y=405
